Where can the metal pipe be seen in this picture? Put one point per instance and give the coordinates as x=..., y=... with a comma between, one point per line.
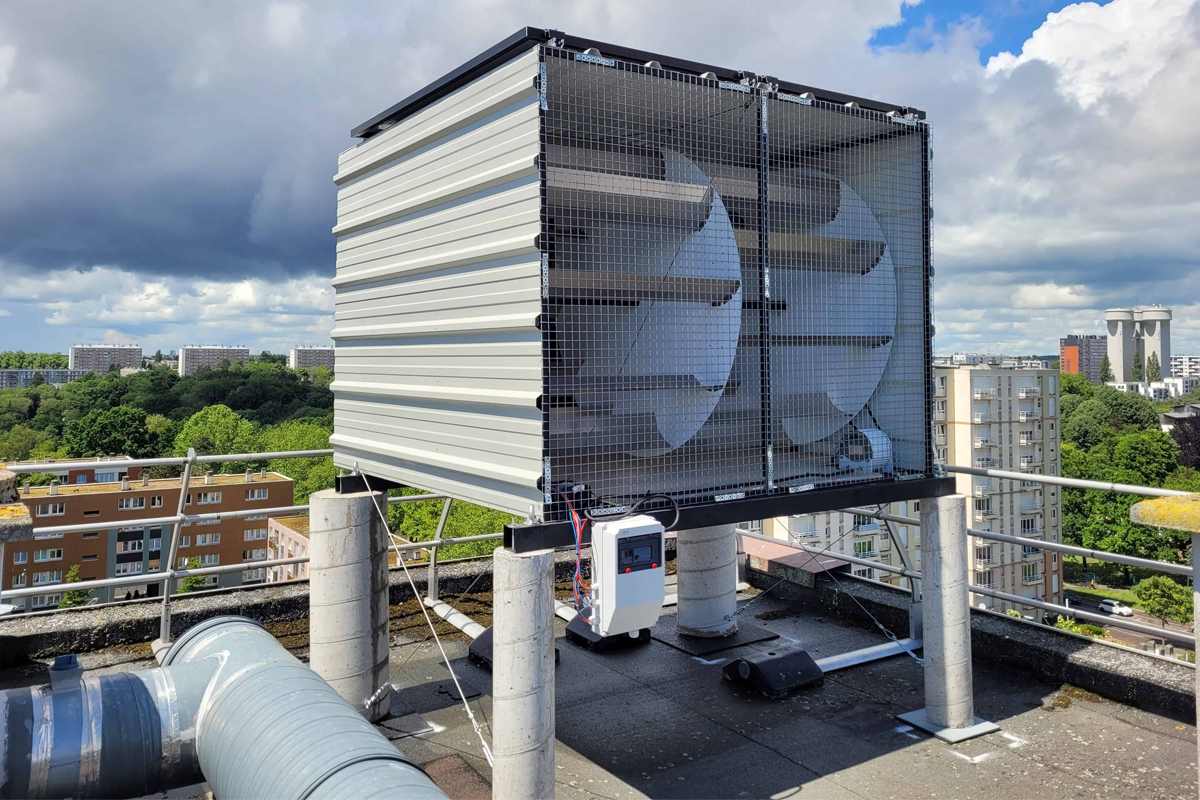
x=229, y=706
x=164, y=626
x=1099, y=555
x=348, y=598
x=868, y=654
x=431, y=579
x=947, y=607
x=523, y=674
x=706, y=574
x=169, y=460
x=1072, y=483
x=455, y=617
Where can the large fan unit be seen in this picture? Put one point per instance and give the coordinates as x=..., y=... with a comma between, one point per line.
x=573, y=275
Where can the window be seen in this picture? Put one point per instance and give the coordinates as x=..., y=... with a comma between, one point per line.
x=47, y=600
x=18, y=581
x=182, y=563
x=131, y=503
x=916, y=506
x=258, y=534
x=185, y=541
x=81, y=478
x=54, y=554
x=131, y=568
x=863, y=572
x=156, y=544
x=208, y=498
x=106, y=477
x=254, y=575
x=1029, y=572
x=255, y=517
x=203, y=539
x=134, y=546
x=1050, y=385
x=51, y=576
x=942, y=382
x=256, y=494
x=865, y=549
x=207, y=522
x=210, y=560
x=156, y=501
x=254, y=555
x=49, y=536
x=51, y=509
x=89, y=558
x=188, y=502
x=95, y=513
x=91, y=535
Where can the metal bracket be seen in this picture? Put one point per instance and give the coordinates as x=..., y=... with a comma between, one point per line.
x=354, y=484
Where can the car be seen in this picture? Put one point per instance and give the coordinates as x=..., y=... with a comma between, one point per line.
x=1115, y=607
x=1072, y=599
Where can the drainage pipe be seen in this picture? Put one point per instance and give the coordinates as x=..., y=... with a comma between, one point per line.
x=230, y=706
x=706, y=575
x=455, y=617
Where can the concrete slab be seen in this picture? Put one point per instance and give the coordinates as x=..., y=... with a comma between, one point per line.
x=952, y=735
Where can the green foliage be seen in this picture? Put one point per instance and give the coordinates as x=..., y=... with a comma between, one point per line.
x=73, y=597
x=111, y=431
x=1088, y=425
x=1106, y=373
x=20, y=442
x=1075, y=383
x=310, y=474
x=1153, y=368
x=270, y=358
x=418, y=522
x=192, y=583
x=1186, y=434
x=1149, y=454
x=1184, y=479
x=217, y=430
x=1135, y=371
x=1012, y=612
x=1165, y=599
x=1081, y=628
x=19, y=359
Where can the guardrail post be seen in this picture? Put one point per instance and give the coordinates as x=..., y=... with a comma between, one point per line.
x=523, y=674
x=348, y=597
x=163, y=641
x=949, y=711
x=431, y=580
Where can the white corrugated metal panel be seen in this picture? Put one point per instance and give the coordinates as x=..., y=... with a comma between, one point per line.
x=438, y=290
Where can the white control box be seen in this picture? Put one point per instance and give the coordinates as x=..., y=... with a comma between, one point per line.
x=628, y=575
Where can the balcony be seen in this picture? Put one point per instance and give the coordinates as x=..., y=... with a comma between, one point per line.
x=865, y=553
x=984, y=514
x=985, y=463
x=1030, y=461
x=1031, y=531
x=983, y=394
x=1028, y=416
x=1031, y=579
x=984, y=489
x=1031, y=554
x=1027, y=438
x=983, y=441
x=1028, y=391
x=866, y=529
x=939, y=438
x=980, y=417
x=990, y=561
x=939, y=416
x=981, y=585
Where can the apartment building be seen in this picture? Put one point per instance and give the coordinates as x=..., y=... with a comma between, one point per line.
x=1185, y=366
x=287, y=537
x=1082, y=354
x=311, y=356
x=1004, y=415
x=24, y=378
x=103, y=357
x=132, y=547
x=67, y=470
x=839, y=533
x=195, y=357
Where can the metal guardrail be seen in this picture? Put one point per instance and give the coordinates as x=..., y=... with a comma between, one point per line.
x=166, y=577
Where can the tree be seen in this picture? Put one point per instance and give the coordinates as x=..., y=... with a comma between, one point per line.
x=1150, y=455
x=1127, y=408
x=73, y=597
x=1186, y=434
x=1088, y=424
x=1164, y=598
x=1135, y=371
x=192, y=583
x=218, y=430
x=310, y=474
x=158, y=356
x=1153, y=368
x=112, y=431
x=37, y=379
x=1106, y=373
x=1185, y=479
x=19, y=443
x=1075, y=383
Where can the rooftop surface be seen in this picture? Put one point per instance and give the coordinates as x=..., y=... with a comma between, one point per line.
x=656, y=722
x=197, y=485
x=297, y=525
x=62, y=462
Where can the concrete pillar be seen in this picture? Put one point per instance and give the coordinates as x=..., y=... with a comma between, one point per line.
x=706, y=571
x=947, y=610
x=523, y=674
x=348, y=598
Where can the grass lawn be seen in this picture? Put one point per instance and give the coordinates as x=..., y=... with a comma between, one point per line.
x=1124, y=595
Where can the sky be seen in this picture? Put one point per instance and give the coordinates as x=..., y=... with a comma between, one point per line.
x=166, y=169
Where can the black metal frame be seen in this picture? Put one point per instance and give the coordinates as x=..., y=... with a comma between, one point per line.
x=526, y=38
x=527, y=537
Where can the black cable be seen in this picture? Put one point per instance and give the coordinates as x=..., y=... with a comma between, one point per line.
x=633, y=509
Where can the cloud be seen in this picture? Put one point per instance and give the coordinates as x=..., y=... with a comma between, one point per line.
x=168, y=167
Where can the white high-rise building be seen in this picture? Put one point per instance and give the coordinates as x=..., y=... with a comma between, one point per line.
x=1185, y=366
x=103, y=357
x=1134, y=334
x=194, y=357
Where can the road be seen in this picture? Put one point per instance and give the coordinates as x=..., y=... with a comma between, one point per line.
x=1171, y=633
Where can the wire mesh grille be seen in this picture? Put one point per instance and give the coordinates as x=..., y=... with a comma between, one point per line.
x=735, y=289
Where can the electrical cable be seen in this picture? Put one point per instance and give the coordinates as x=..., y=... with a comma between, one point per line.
x=577, y=527
x=637, y=507
x=487, y=751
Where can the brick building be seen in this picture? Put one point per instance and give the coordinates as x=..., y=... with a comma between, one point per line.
x=131, y=548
